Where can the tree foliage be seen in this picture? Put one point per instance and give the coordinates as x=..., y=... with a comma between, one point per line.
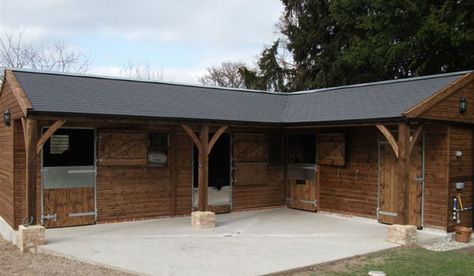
x=339, y=42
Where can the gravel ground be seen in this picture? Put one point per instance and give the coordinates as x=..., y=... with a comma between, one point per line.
x=13, y=262
x=447, y=243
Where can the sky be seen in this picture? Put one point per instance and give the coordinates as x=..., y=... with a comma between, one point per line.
x=179, y=38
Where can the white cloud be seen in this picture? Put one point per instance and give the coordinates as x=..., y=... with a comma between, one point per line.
x=222, y=30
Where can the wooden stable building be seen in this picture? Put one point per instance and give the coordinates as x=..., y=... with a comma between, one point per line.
x=79, y=149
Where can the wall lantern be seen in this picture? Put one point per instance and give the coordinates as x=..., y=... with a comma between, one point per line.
x=462, y=105
x=7, y=117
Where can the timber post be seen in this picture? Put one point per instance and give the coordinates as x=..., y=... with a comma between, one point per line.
x=403, y=168
x=203, y=168
x=31, y=137
x=204, y=146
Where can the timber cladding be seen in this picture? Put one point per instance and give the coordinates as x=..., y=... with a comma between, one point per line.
x=135, y=191
x=256, y=183
x=460, y=170
x=448, y=108
x=9, y=102
x=352, y=188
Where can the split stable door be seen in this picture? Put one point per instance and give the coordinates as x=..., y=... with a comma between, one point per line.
x=68, y=178
x=388, y=190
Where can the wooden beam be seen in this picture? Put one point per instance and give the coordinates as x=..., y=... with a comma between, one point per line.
x=51, y=130
x=193, y=136
x=203, y=168
x=442, y=94
x=30, y=146
x=390, y=138
x=416, y=137
x=18, y=92
x=215, y=137
x=403, y=175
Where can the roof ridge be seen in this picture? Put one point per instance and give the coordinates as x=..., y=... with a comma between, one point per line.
x=319, y=90
x=394, y=81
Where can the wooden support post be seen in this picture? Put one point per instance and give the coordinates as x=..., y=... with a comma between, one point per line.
x=403, y=168
x=203, y=168
x=31, y=137
x=204, y=146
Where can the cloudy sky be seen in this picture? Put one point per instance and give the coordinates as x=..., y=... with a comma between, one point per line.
x=180, y=38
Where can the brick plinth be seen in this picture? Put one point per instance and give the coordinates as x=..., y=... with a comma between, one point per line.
x=30, y=237
x=203, y=219
x=402, y=234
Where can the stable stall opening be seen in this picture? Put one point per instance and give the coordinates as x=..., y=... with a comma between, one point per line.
x=219, y=173
x=68, y=178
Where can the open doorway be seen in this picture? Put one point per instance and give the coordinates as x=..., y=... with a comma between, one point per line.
x=219, y=176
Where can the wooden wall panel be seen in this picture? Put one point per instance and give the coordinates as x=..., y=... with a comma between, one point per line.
x=436, y=181
x=184, y=173
x=251, y=150
x=19, y=176
x=7, y=194
x=352, y=189
x=448, y=109
x=460, y=170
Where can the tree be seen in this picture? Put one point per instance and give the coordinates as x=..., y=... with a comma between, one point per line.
x=16, y=53
x=271, y=72
x=339, y=42
x=225, y=75
x=142, y=71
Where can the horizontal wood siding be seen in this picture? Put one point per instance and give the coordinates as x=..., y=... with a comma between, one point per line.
x=448, y=109
x=354, y=189
x=436, y=181
x=251, y=150
x=7, y=194
x=19, y=178
x=460, y=170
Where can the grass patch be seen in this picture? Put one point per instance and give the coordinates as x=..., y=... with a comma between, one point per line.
x=400, y=261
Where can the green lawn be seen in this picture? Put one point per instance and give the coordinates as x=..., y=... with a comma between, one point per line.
x=400, y=261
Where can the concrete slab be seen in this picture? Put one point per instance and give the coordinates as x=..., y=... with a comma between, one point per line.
x=243, y=243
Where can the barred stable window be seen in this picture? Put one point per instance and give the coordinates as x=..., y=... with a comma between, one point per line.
x=158, y=150
x=275, y=149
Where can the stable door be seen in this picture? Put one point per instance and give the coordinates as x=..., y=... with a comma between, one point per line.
x=389, y=191
x=68, y=178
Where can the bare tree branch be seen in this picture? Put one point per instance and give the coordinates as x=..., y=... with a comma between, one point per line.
x=16, y=53
x=225, y=75
x=142, y=71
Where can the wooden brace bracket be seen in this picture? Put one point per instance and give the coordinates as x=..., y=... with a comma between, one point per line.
x=390, y=138
x=51, y=130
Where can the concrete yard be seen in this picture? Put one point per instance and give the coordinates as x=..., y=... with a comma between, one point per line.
x=243, y=243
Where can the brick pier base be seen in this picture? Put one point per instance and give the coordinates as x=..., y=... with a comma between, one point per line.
x=402, y=234
x=203, y=219
x=30, y=237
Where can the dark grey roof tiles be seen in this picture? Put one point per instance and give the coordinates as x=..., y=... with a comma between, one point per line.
x=82, y=94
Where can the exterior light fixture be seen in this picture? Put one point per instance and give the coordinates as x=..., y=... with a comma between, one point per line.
x=6, y=118
x=462, y=105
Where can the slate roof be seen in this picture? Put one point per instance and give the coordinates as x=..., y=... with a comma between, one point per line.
x=95, y=95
